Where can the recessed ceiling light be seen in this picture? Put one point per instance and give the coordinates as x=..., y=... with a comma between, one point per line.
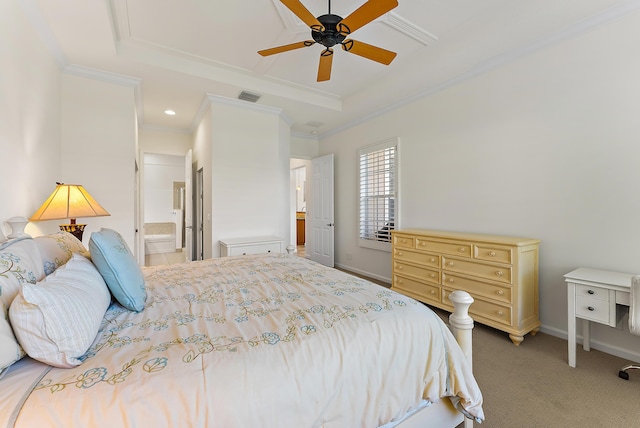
x=170, y=112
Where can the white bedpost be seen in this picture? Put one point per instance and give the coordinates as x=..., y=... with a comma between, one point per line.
x=461, y=325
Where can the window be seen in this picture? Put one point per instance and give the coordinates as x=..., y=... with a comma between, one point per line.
x=378, y=194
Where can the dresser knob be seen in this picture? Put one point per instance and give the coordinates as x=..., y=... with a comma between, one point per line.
x=500, y=292
x=399, y=253
x=591, y=292
x=400, y=281
x=433, y=292
x=499, y=273
x=492, y=253
x=423, y=244
x=451, y=280
x=399, y=267
x=591, y=308
x=500, y=313
x=450, y=263
x=432, y=275
x=432, y=260
x=461, y=249
x=404, y=241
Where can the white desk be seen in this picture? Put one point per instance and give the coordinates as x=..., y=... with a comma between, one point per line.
x=592, y=295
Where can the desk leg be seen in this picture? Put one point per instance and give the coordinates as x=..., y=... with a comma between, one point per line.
x=586, y=335
x=571, y=315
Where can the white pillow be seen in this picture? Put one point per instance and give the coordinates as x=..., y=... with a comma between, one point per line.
x=56, y=249
x=10, y=350
x=20, y=263
x=57, y=319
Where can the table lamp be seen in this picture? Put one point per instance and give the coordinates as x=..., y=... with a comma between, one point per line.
x=69, y=201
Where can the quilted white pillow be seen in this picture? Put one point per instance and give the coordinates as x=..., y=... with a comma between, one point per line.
x=57, y=319
x=10, y=351
x=20, y=263
x=56, y=249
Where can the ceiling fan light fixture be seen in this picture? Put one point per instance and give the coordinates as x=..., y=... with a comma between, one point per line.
x=329, y=30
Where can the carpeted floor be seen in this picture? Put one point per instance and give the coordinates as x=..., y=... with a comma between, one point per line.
x=533, y=386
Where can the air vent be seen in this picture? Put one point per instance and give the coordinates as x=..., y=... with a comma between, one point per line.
x=248, y=96
x=314, y=124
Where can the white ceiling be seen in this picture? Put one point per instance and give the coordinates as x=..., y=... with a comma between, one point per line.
x=182, y=50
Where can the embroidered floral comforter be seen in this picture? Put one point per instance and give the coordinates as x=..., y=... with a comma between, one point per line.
x=257, y=341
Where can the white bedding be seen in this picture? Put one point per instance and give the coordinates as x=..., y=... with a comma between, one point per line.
x=253, y=341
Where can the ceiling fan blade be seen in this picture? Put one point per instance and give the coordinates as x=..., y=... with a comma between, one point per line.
x=285, y=48
x=371, y=52
x=303, y=13
x=365, y=14
x=324, y=69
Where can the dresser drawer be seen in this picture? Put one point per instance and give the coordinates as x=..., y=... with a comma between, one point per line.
x=425, y=291
x=404, y=241
x=423, y=274
x=459, y=249
x=592, y=309
x=492, y=311
x=493, y=253
x=421, y=258
x=495, y=273
x=493, y=292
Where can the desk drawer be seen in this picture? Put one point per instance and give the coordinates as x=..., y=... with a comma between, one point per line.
x=592, y=309
x=590, y=292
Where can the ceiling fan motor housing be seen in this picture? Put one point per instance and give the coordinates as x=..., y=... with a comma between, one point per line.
x=330, y=36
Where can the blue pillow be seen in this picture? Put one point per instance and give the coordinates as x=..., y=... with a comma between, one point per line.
x=111, y=255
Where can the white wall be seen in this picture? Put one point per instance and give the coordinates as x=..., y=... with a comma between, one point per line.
x=99, y=149
x=250, y=171
x=30, y=128
x=164, y=141
x=544, y=147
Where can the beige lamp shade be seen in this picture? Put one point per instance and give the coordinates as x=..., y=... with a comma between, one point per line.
x=69, y=201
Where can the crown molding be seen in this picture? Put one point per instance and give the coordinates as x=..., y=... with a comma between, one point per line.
x=209, y=99
x=115, y=78
x=408, y=28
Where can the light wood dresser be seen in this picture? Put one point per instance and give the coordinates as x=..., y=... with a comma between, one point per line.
x=500, y=272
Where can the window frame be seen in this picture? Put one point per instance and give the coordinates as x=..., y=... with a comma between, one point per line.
x=383, y=145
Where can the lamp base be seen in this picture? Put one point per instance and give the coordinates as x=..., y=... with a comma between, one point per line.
x=74, y=229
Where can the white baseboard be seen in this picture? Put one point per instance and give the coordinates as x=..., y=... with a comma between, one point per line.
x=363, y=273
x=595, y=344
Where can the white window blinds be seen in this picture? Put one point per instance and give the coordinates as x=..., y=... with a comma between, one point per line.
x=378, y=193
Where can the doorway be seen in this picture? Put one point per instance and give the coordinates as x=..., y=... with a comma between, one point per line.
x=163, y=183
x=298, y=179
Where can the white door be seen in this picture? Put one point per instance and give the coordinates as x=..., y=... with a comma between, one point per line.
x=320, y=212
x=188, y=206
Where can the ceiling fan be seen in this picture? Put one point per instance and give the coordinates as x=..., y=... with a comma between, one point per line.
x=330, y=30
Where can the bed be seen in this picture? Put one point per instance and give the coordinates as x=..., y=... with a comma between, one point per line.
x=270, y=340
